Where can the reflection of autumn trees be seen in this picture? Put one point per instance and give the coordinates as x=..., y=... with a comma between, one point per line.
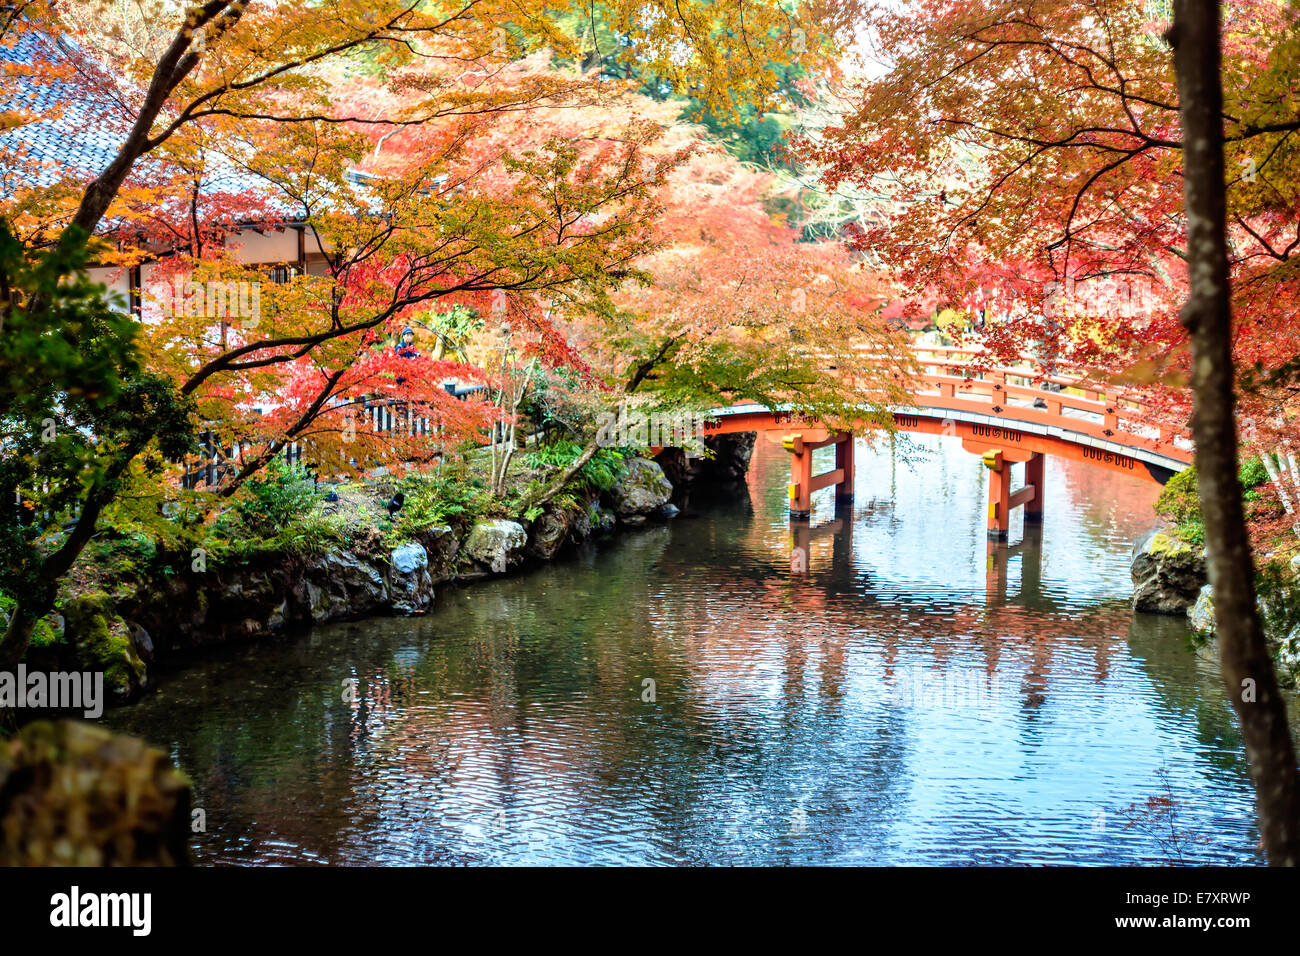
x=1105, y=501
x=273, y=756
x=1017, y=630
x=513, y=715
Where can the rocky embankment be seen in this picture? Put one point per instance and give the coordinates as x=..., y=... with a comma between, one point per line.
x=129, y=631
x=1283, y=641
x=1170, y=577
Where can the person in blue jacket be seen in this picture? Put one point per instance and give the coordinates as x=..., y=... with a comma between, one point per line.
x=405, y=346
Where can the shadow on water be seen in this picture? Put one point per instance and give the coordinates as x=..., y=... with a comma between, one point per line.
x=878, y=687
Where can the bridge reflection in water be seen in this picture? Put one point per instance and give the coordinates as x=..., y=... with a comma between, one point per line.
x=839, y=531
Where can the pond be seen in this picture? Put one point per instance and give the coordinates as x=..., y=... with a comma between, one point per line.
x=883, y=688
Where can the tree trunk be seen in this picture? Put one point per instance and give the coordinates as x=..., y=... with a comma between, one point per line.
x=545, y=494
x=13, y=645
x=1245, y=661
x=40, y=595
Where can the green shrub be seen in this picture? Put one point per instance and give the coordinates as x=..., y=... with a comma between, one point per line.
x=276, y=498
x=452, y=493
x=1192, y=531
x=309, y=533
x=313, y=533
x=1253, y=474
x=1178, y=502
x=598, y=474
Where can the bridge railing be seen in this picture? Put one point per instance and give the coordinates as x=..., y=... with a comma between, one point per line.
x=1030, y=392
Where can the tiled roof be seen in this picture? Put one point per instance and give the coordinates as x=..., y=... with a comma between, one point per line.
x=77, y=135
x=80, y=129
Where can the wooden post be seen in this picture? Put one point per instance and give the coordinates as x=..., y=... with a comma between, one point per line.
x=999, y=495
x=1110, y=417
x=844, y=462
x=1034, y=469
x=800, y=489
x=135, y=301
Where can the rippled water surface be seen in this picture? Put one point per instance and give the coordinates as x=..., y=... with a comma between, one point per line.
x=885, y=689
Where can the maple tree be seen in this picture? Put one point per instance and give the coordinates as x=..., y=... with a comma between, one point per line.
x=171, y=84
x=728, y=306
x=464, y=222
x=737, y=309
x=1042, y=158
x=723, y=304
x=1023, y=157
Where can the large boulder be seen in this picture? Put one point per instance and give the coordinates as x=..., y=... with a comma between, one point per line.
x=640, y=490
x=340, y=585
x=102, y=641
x=497, y=545
x=73, y=794
x=410, y=585
x=1168, y=573
x=549, y=532
x=1285, y=648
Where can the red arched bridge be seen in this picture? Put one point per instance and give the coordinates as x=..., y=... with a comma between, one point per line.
x=1007, y=415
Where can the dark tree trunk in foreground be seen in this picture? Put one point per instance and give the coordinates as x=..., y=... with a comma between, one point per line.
x=1245, y=662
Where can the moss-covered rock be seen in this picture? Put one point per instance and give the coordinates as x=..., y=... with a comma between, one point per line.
x=640, y=490
x=48, y=631
x=1201, y=614
x=101, y=641
x=1168, y=573
x=72, y=794
x=496, y=545
x=1282, y=636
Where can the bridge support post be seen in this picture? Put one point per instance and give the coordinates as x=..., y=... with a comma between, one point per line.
x=802, y=480
x=1001, y=499
x=999, y=523
x=800, y=489
x=1034, y=469
x=844, y=463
